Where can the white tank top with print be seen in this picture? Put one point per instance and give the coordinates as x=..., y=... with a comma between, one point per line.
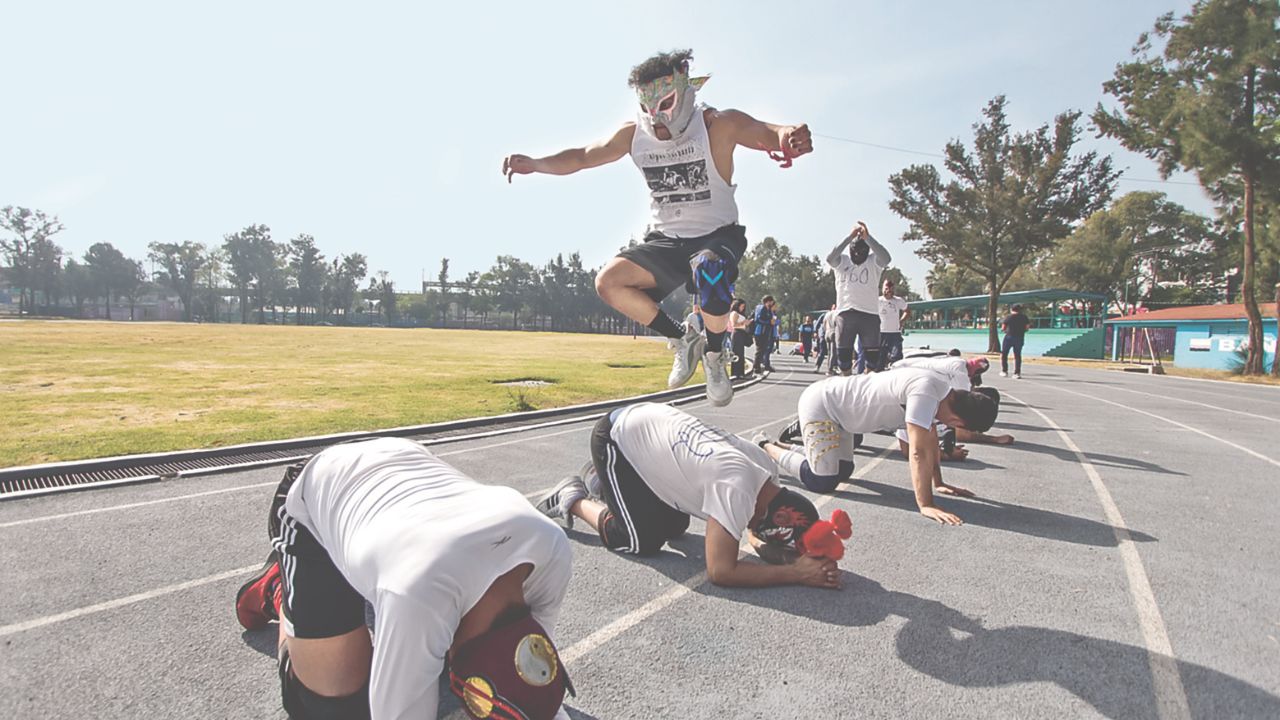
x=688, y=198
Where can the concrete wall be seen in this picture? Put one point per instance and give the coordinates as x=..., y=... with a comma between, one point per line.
x=1212, y=344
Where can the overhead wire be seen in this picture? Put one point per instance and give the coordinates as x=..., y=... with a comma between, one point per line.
x=938, y=155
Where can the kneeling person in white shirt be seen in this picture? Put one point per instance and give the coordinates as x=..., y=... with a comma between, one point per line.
x=654, y=467
x=832, y=411
x=456, y=571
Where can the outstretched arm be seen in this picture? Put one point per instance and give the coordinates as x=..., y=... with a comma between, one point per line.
x=924, y=467
x=725, y=569
x=567, y=162
x=744, y=130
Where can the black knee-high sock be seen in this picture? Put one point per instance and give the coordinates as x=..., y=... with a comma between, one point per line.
x=715, y=341
x=664, y=325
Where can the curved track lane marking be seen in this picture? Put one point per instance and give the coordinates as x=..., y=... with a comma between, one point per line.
x=1201, y=404
x=121, y=602
x=612, y=630
x=1171, y=697
x=128, y=506
x=1184, y=426
x=170, y=589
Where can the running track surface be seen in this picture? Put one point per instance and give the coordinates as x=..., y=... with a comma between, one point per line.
x=1120, y=562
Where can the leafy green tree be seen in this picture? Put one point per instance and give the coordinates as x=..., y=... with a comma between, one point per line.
x=944, y=281
x=79, y=283
x=252, y=261
x=345, y=275
x=30, y=230
x=180, y=268
x=46, y=267
x=307, y=267
x=1142, y=234
x=511, y=279
x=1013, y=197
x=108, y=270
x=1209, y=103
x=132, y=281
x=443, y=278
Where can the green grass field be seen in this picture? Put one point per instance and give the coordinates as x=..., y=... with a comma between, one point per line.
x=72, y=390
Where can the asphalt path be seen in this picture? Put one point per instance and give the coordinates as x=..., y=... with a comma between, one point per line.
x=1119, y=562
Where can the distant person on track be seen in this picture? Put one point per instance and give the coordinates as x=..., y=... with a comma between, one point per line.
x=827, y=343
x=1015, y=326
x=857, y=275
x=462, y=576
x=685, y=152
x=893, y=316
x=765, y=327
x=831, y=412
x=806, y=337
x=739, y=323
x=653, y=467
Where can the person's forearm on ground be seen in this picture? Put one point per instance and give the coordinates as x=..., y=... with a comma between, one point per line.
x=883, y=258
x=743, y=573
x=922, y=468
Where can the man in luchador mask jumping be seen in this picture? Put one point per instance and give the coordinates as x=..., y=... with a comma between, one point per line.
x=685, y=150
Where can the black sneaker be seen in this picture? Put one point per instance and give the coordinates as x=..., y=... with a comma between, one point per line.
x=556, y=504
x=791, y=434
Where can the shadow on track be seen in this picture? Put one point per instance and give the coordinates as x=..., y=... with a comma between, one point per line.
x=1101, y=459
x=1112, y=677
x=997, y=515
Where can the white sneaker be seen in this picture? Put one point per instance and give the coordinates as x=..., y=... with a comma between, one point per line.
x=760, y=438
x=1004, y=374
x=719, y=389
x=688, y=350
x=1017, y=376
x=592, y=480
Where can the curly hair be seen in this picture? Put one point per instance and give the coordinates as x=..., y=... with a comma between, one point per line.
x=661, y=64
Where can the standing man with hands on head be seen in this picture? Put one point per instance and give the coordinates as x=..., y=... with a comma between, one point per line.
x=685, y=152
x=857, y=275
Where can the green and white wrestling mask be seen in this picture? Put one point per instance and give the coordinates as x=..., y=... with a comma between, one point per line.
x=669, y=101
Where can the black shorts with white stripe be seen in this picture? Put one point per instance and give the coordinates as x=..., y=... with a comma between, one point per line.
x=318, y=602
x=637, y=522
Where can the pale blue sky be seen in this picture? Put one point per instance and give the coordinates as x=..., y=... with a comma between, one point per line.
x=380, y=127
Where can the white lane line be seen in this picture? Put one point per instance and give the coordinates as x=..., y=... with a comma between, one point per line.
x=128, y=506
x=1171, y=697
x=1184, y=426
x=121, y=602
x=608, y=632
x=94, y=511
x=1196, y=402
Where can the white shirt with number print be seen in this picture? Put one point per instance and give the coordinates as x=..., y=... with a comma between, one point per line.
x=891, y=314
x=858, y=286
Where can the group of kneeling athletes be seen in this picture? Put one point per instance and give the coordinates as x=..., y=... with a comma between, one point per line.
x=466, y=580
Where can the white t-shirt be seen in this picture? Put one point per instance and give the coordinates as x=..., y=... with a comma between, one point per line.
x=694, y=467
x=422, y=542
x=858, y=286
x=883, y=401
x=891, y=313
x=954, y=369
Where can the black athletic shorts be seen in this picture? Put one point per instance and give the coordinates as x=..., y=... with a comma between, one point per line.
x=318, y=601
x=637, y=522
x=668, y=258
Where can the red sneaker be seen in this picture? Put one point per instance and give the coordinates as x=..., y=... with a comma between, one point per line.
x=258, y=601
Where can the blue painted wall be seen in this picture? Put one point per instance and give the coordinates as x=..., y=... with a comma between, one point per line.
x=1212, y=344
